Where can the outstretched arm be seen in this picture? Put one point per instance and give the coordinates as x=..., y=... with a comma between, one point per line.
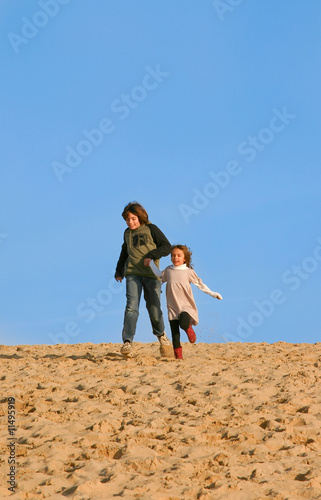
x=199, y=283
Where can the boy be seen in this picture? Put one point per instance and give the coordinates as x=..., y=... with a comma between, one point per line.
x=142, y=241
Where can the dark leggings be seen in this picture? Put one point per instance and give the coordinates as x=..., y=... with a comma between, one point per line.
x=184, y=321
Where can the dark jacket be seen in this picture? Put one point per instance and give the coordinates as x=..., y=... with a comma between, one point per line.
x=147, y=241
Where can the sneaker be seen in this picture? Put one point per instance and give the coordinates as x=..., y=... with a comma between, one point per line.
x=178, y=353
x=127, y=349
x=163, y=340
x=191, y=334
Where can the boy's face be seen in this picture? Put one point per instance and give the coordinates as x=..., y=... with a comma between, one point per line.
x=177, y=257
x=132, y=221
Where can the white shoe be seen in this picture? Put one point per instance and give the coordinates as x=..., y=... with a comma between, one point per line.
x=127, y=349
x=163, y=340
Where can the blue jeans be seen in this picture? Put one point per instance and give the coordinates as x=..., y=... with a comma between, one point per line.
x=152, y=291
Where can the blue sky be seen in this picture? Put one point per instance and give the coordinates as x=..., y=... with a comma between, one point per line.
x=207, y=113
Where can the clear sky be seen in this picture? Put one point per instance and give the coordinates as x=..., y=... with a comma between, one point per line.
x=206, y=112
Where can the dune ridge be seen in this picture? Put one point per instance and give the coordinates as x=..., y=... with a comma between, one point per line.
x=230, y=421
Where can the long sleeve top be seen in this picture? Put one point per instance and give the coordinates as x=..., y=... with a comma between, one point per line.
x=147, y=241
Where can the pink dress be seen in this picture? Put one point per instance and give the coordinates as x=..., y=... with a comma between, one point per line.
x=179, y=295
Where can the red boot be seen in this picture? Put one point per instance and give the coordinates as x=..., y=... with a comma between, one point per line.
x=178, y=353
x=191, y=334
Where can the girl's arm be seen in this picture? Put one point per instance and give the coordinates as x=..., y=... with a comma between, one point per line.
x=199, y=283
x=158, y=273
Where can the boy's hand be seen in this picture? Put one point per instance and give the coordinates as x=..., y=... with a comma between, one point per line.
x=119, y=279
x=147, y=262
x=218, y=296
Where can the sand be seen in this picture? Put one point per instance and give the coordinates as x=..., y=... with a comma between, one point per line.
x=230, y=421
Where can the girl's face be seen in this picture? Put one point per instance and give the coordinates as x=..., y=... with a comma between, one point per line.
x=177, y=257
x=132, y=221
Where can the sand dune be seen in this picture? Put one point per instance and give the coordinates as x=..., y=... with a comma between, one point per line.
x=230, y=421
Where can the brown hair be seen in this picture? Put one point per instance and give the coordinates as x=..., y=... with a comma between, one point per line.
x=187, y=254
x=137, y=209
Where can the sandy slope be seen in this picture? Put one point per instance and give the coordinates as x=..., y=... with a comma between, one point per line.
x=231, y=421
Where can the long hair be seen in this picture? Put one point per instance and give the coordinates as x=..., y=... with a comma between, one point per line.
x=187, y=254
x=137, y=209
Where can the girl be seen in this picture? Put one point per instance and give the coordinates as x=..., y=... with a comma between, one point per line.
x=143, y=241
x=182, y=311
